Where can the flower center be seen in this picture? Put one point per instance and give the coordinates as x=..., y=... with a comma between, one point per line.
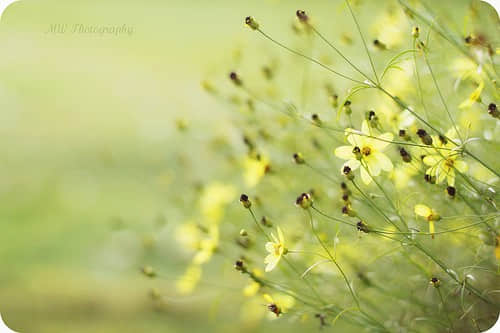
x=366, y=151
x=277, y=248
x=449, y=163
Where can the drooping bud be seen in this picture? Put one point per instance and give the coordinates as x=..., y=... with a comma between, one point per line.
x=298, y=158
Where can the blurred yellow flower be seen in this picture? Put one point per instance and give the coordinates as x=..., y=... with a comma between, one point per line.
x=187, y=282
x=213, y=199
x=474, y=97
x=366, y=151
x=207, y=246
x=276, y=250
x=254, y=169
x=429, y=214
x=253, y=287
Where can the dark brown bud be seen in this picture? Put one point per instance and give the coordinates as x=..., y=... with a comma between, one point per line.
x=304, y=200
x=435, y=282
x=451, y=191
x=235, y=78
x=298, y=158
x=245, y=201
x=493, y=110
x=405, y=155
x=239, y=266
x=362, y=226
x=302, y=16
x=250, y=22
x=424, y=136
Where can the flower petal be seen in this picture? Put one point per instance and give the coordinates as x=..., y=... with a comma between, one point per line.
x=270, y=247
x=271, y=261
x=382, y=143
x=451, y=177
x=365, y=177
x=353, y=164
x=280, y=236
x=365, y=128
x=384, y=162
x=460, y=166
x=344, y=152
x=432, y=160
x=422, y=210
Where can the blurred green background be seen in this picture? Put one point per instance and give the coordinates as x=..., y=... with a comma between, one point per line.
x=92, y=167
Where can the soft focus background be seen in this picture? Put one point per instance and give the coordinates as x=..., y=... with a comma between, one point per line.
x=94, y=172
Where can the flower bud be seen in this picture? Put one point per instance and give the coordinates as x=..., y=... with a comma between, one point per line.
x=405, y=155
x=415, y=32
x=435, y=282
x=298, y=158
x=266, y=222
x=424, y=136
x=148, y=271
x=348, y=172
x=363, y=227
x=451, y=191
x=245, y=201
x=302, y=16
x=347, y=210
x=493, y=110
x=239, y=265
x=357, y=152
x=304, y=200
x=379, y=45
x=404, y=135
x=347, y=107
x=235, y=78
x=334, y=100
x=243, y=233
x=251, y=23
x=315, y=119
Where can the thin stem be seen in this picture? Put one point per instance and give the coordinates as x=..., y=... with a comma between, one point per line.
x=308, y=58
x=441, y=96
x=363, y=40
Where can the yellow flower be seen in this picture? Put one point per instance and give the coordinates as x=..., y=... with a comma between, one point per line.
x=207, y=246
x=252, y=287
x=473, y=98
x=429, y=214
x=276, y=250
x=443, y=167
x=366, y=151
x=279, y=304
